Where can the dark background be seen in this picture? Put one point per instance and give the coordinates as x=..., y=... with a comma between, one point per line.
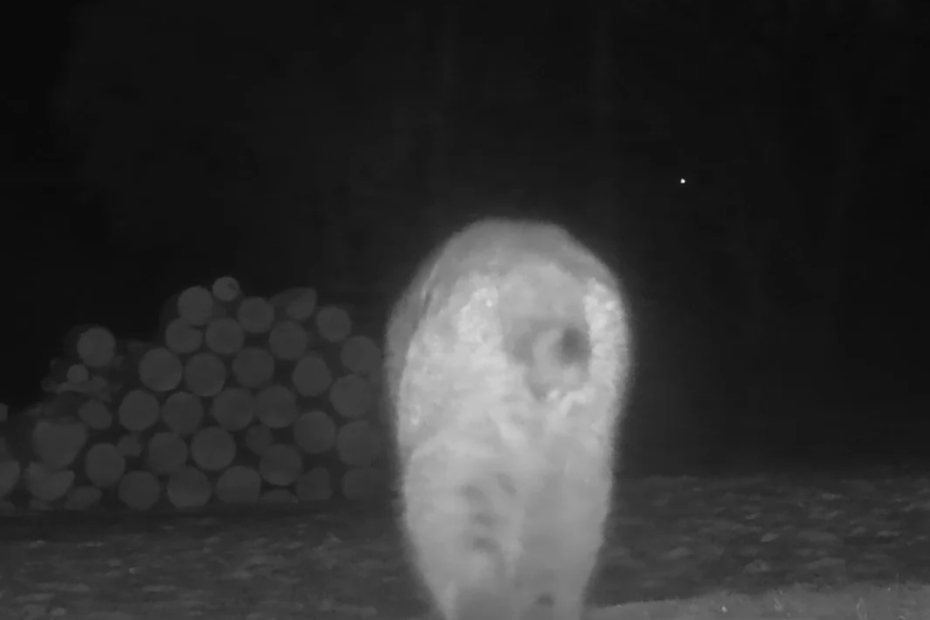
x=779, y=292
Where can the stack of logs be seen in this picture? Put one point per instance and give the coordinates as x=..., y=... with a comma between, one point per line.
x=242, y=400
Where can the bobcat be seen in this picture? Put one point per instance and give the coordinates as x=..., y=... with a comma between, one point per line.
x=506, y=364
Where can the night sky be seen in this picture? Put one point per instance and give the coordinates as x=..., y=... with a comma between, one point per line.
x=756, y=177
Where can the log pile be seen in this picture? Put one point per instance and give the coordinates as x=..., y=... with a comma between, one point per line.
x=240, y=400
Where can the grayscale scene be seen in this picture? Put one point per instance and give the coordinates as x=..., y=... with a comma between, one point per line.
x=462, y=311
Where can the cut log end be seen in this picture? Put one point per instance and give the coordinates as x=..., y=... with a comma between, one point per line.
x=96, y=347
x=333, y=323
x=226, y=289
x=196, y=305
x=256, y=315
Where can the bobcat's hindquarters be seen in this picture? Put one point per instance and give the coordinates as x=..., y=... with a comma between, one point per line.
x=507, y=362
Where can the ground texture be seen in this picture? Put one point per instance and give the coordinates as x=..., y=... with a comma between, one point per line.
x=809, y=548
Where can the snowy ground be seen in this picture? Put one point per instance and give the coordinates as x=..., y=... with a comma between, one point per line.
x=763, y=547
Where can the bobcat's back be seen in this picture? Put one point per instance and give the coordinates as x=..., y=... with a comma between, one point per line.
x=506, y=365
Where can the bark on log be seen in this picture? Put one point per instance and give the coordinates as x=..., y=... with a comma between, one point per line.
x=60, y=381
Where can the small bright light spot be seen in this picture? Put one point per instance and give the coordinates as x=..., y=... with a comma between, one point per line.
x=682, y=181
